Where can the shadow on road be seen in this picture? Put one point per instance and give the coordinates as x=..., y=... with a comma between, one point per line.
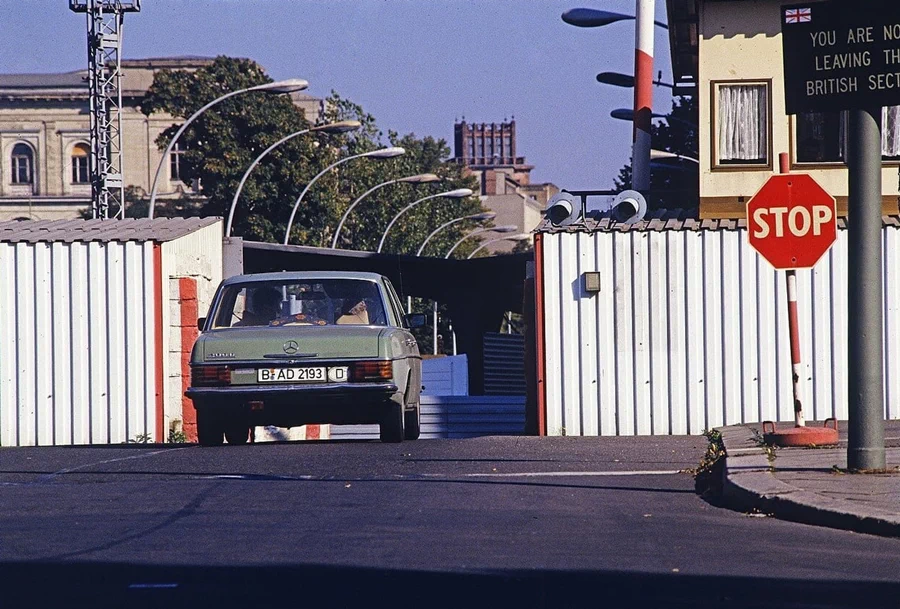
x=137, y=586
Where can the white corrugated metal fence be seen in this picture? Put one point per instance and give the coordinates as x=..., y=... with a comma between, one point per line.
x=76, y=342
x=689, y=332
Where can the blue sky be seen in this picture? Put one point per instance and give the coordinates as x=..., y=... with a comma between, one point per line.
x=416, y=65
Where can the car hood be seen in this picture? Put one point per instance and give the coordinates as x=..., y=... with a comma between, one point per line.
x=274, y=344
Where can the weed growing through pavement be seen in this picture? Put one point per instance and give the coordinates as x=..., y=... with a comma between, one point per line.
x=141, y=438
x=708, y=474
x=176, y=436
x=760, y=441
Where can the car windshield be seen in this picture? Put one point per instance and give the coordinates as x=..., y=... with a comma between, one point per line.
x=300, y=302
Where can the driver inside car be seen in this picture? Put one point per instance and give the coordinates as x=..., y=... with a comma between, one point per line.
x=265, y=305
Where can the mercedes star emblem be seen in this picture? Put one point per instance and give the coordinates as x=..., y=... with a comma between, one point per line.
x=290, y=347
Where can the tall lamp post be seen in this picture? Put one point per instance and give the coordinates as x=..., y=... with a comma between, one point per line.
x=643, y=77
x=459, y=193
x=381, y=153
x=422, y=178
x=281, y=86
x=338, y=127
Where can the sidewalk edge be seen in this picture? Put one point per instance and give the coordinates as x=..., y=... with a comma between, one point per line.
x=749, y=485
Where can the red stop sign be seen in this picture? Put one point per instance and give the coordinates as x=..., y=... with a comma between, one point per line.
x=791, y=221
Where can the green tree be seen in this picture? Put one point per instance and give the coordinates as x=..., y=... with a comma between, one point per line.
x=223, y=141
x=674, y=184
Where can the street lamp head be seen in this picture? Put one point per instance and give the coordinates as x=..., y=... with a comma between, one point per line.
x=284, y=86
x=386, y=153
x=589, y=17
x=507, y=228
x=459, y=193
x=337, y=127
x=623, y=114
x=488, y=215
x=422, y=178
x=616, y=79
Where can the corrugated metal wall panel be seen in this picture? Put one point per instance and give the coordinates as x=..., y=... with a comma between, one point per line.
x=73, y=349
x=689, y=332
x=504, y=364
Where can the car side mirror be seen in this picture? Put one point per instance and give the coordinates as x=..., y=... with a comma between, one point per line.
x=415, y=320
x=201, y=321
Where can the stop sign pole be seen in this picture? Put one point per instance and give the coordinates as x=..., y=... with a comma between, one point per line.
x=792, y=223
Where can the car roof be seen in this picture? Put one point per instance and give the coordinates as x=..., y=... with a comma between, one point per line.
x=302, y=276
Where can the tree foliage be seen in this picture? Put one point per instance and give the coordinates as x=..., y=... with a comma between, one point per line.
x=223, y=141
x=674, y=183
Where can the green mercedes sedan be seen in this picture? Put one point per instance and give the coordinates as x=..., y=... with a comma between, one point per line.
x=295, y=348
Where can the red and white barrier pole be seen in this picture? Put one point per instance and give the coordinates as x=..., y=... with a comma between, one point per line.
x=643, y=94
x=793, y=323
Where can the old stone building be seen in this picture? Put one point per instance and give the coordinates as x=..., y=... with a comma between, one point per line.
x=45, y=145
x=488, y=150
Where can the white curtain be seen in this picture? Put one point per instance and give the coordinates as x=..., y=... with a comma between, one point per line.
x=743, y=123
x=890, y=131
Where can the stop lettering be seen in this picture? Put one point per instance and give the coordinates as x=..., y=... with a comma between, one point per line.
x=791, y=221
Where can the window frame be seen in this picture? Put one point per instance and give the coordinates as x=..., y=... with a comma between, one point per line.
x=86, y=160
x=715, y=164
x=14, y=168
x=794, y=149
x=175, y=158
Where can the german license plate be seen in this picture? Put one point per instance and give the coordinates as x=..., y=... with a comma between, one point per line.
x=318, y=374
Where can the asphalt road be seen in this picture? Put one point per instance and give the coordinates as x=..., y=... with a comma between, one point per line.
x=517, y=522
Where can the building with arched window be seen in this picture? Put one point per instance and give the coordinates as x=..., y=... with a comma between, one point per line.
x=45, y=139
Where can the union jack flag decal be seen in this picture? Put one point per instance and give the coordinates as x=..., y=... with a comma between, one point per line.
x=797, y=15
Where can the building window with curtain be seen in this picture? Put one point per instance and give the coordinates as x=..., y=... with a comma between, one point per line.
x=742, y=130
x=81, y=155
x=821, y=137
x=22, y=164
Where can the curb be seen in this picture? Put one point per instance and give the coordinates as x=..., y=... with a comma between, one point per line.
x=749, y=484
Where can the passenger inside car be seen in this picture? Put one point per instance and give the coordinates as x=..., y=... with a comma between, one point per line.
x=355, y=312
x=265, y=305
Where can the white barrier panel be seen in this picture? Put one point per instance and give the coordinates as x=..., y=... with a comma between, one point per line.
x=689, y=332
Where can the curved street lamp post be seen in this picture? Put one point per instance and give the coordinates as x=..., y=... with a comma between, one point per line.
x=664, y=154
x=489, y=215
x=507, y=228
x=381, y=153
x=281, y=86
x=422, y=178
x=519, y=237
x=459, y=193
x=338, y=127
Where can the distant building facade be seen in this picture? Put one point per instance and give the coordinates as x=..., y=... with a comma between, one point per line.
x=488, y=151
x=45, y=139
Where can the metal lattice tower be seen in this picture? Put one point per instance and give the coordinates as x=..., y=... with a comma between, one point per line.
x=104, y=25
